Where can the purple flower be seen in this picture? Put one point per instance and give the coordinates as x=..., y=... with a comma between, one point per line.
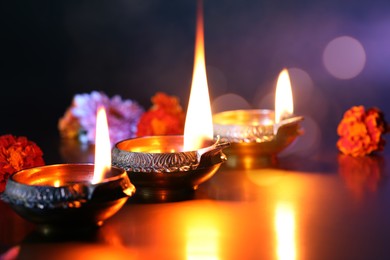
x=122, y=115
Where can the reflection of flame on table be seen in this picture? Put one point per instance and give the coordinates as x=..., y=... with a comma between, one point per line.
x=361, y=174
x=285, y=231
x=202, y=243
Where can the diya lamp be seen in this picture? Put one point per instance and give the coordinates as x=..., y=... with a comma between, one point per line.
x=166, y=168
x=63, y=197
x=257, y=136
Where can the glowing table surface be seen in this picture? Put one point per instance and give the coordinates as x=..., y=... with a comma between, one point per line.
x=320, y=207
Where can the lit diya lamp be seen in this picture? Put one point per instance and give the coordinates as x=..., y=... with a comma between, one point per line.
x=261, y=132
x=71, y=196
x=166, y=167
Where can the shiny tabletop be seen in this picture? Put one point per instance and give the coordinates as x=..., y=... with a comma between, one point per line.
x=322, y=206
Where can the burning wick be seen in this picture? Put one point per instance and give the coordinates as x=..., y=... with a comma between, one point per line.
x=284, y=106
x=199, y=123
x=102, y=147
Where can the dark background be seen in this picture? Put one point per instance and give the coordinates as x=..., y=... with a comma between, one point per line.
x=52, y=50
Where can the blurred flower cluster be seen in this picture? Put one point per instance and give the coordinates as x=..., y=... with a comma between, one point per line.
x=166, y=116
x=17, y=153
x=79, y=120
x=361, y=131
x=126, y=118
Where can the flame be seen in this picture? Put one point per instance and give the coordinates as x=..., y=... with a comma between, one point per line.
x=198, y=126
x=284, y=106
x=102, y=147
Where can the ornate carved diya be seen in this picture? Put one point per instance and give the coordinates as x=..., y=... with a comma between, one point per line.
x=60, y=197
x=161, y=170
x=253, y=134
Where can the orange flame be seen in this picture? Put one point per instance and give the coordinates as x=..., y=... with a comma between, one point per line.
x=284, y=106
x=198, y=126
x=102, y=147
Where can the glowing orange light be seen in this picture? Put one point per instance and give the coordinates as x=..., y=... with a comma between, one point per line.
x=203, y=233
x=284, y=106
x=102, y=147
x=285, y=231
x=202, y=243
x=198, y=126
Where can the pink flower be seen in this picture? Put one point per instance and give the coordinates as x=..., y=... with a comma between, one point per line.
x=122, y=117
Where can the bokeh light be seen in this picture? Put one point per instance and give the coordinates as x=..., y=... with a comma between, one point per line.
x=309, y=142
x=216, y=81
x=344, y=57
x=302, y=88
x=229, y=101
x=265, y=101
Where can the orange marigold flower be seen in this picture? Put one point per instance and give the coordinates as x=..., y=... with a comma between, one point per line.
x=165, y=117
x=17, y=153
x=361, y=131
